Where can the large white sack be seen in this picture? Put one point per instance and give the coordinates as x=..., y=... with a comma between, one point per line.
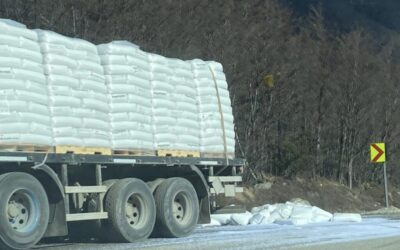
x=117, y=48
x=19, y=42
x=62, y=81
x=87, y=75
x=30, y=137
x=301, y=214
x=213, y=223
x=118, y=69
x=123, y=121
x=134, y=108
x=132, y=144
x=46, y=36
x=121, y=89
x=268, y=207
x=255, y=210
x=320, y=215
x=346, y=217
x=162, y=69
x=54, y=59
x=23, y=53
x=12, y=23
x=186, y=90
x=223, y=219
x=22, y=117
x=21, y=74
x=256, y=219
x=58, y=49
x=241, y=219
x=262, y=216
x=137, y=134
x=8, y=106
x=158, y=59
x=124, y=79
x=184, y=72
x=14, y=28
x=131, y=99
x=17, y=84
x=133, y=61
x=162, y=86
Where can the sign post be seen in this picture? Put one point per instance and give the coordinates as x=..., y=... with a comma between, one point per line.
x=378, y=155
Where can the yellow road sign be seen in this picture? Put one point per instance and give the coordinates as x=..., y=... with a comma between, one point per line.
x=378, y=153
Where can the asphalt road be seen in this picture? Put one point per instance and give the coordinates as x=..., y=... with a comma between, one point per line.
x=372, y=233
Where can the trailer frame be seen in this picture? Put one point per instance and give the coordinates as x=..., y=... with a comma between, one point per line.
x=58, y=172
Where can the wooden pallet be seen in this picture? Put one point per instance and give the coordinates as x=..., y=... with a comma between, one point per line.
x=82, y=150
x=134, y=152
x=217, y=155
x=26, y=148
x=177, y=153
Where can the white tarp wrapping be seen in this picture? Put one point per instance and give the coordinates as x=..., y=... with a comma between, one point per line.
x=24, y=112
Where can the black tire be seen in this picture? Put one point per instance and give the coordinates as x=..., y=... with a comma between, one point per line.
x=131, y=211
x=24, y=211
x=177, y=208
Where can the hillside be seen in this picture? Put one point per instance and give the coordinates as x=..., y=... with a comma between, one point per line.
x=346, y=14
x=336, y=83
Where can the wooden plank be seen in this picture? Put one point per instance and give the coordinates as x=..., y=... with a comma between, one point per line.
x=134, y=152
x=217, y=155
x=82, y=150
x=225, y=178
x=26, y=148
x=87, y=216
x=177, y=153
x=85, y=189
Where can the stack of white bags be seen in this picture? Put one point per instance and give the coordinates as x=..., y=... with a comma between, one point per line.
x=78, y=97
x=127, y=74
x=185, y=111
x=163, y=103
x=24, y=111
x=206, y=76
x=58, y=90
x=78, y=94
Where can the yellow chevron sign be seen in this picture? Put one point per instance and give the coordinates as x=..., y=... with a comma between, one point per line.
x=378, y=154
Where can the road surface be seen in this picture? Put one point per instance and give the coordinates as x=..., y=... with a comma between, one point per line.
x=372, y=233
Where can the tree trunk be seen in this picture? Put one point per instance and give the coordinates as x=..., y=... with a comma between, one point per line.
x=351, y=173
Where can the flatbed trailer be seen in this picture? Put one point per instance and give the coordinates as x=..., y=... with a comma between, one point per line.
x=119, y=198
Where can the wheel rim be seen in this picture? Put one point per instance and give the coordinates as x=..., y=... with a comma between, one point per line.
x=135, y=211
x=181, y=209
x=22, y=211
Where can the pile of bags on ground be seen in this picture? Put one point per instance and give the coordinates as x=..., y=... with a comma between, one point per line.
x=295, y=213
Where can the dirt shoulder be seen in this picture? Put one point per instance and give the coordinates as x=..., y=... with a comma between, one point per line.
x=328, y=195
